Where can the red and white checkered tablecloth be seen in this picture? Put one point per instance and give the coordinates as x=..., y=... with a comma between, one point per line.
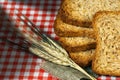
x=18, y=64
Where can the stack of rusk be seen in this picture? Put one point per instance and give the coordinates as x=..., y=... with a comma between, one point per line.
x=73, y=26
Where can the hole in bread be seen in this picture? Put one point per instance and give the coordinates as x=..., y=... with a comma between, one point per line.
x=118, y=68
x=79, y=5
x=112, y=46
x=108, y=27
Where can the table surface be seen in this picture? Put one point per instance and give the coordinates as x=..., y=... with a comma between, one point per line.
x=19, y=64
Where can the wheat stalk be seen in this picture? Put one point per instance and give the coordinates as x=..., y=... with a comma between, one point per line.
x=54, y=53
x=48, y=48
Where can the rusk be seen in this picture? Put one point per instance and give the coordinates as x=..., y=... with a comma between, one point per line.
x=80, y=12
x=75, y=44
x=63, y=29
x=106, y=60
x=82, y=58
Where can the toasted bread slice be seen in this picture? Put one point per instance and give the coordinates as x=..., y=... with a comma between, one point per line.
x=82, y=58
x=80, y=12
x=75, y=44
x=63, y=29
x=107, y=56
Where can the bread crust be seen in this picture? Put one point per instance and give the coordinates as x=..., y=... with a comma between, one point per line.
x=82, y=58
x=63, y=29
x=72, y=21
x=100, y=64
x=76, y=44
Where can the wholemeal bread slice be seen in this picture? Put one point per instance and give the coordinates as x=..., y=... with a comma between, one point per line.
x=80, y=12
x=63, y=29
x=75, y=44
x=107, y=56
x=82, y=58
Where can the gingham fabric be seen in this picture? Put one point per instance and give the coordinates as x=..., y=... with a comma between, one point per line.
x=17, y=64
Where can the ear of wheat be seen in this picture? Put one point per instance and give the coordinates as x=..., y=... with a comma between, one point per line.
x=43, y=46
